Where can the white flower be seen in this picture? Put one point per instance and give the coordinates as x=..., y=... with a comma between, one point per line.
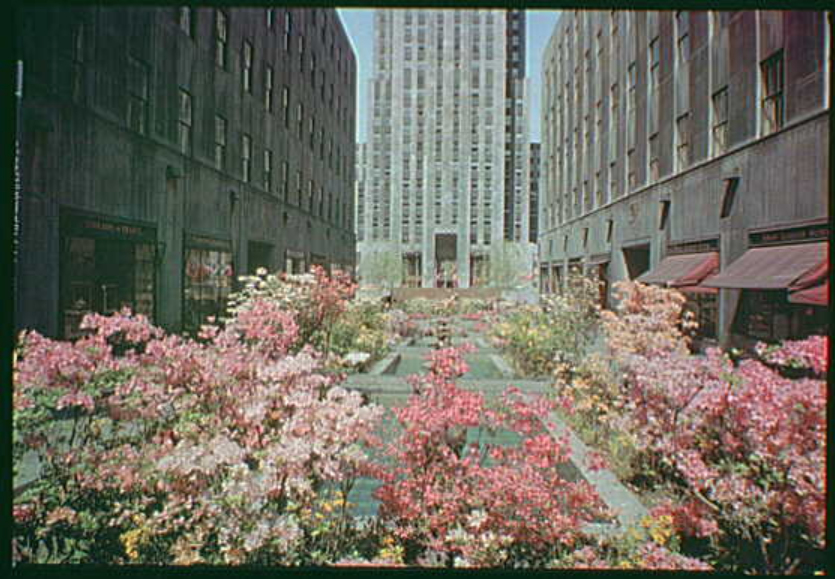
x=476, y=519
x=356, y=358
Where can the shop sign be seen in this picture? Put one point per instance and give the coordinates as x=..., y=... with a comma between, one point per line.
x=794, y=235
x=89, y=226
x=693, y=247
x=198, y=241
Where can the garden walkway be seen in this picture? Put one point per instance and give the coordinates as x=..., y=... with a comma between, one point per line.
x=385, y=383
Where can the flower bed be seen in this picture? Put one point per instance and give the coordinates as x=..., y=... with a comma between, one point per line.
x=737, y=449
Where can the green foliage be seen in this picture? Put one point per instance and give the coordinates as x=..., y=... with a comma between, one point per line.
x=363, y=328
x=559, y=330
x=382, y=268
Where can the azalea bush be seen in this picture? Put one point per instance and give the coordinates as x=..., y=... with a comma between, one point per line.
x=739, y=448
x=558, y=330
x=652, y=545
x=472, y=504
x=158, y=448
x=316, y=300
x=364, y=327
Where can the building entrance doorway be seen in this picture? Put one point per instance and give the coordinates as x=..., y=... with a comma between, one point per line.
x=446, y=255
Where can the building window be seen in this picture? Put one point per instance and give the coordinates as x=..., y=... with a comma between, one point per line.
x=221, y=37
x=285, y=180
x=285, y=105
x=206, y=285
x=288, y=29
x=683, y=42
x=731, y=185
x=654, y=158
x=268, y=89
x=654, y=84
x=614, y=122
x=300, y=119
x=185, y=16
x=268, y=170
x=185, y=122
x=247, y=66
x=720, y=121
x=78, y=58
x=220, y=141
x=683, y=141
x=270, y=17
x=631, y=172
x=301, y=52
x=665, y=214
x=246, y=157
x=138, y=96
x=631, y=104
x=772, y=103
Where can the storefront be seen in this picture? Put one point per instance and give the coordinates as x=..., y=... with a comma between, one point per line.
x=556, y=278
x=783, y=278
x=294, y=262
x=106, y=264
x=545, y=279
x=207, y=279
x=597, y=267
x=686, y=266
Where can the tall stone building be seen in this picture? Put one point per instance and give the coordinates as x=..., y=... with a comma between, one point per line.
x=690, y=149
x=165, y=151
x=447, y=162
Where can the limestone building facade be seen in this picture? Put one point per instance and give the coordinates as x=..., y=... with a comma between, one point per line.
x=165, y=151
x=691, y=149
x=447, y=158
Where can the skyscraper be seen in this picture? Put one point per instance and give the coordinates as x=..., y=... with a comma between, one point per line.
x=447, y=162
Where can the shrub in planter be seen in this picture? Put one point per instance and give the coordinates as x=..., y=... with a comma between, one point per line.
x=560, y=329
x=316, y=300
x=179, y=451
x=741, y=447
x=479, y=505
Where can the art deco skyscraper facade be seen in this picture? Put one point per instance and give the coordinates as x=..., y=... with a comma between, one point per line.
x=447, y=161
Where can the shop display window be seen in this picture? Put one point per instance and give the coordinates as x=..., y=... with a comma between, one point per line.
x=206, y=285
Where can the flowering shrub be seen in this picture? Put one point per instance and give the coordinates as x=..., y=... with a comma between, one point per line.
x=539, y=338
x=363, y=328
x=316, y=300
x=742, y=447
x=479, y=505
x=162, y=449
x=652, y=546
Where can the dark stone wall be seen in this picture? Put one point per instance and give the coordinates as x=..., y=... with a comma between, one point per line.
x=80, y=153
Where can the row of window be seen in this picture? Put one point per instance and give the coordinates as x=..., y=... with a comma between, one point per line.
x=588, y=153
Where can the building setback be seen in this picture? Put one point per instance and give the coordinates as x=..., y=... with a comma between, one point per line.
x=447, y=163
x=167, y=150
x=679, y=145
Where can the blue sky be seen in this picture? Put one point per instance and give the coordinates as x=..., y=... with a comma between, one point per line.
x=360, y=26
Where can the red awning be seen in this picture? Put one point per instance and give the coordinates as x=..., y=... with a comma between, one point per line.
x=815, y=276
x=770, y=267
x=817, y=295
x=698, y=289
x=688, y=269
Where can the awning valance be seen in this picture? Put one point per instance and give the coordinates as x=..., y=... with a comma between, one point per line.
x=770, y=267
x=817, y=295
x=687, y=269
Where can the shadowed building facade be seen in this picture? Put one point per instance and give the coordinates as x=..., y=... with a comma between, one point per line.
x=447, y=162
x=690, y=149
x=165, y=151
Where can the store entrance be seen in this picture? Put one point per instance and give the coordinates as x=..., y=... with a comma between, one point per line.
x=104, y=276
